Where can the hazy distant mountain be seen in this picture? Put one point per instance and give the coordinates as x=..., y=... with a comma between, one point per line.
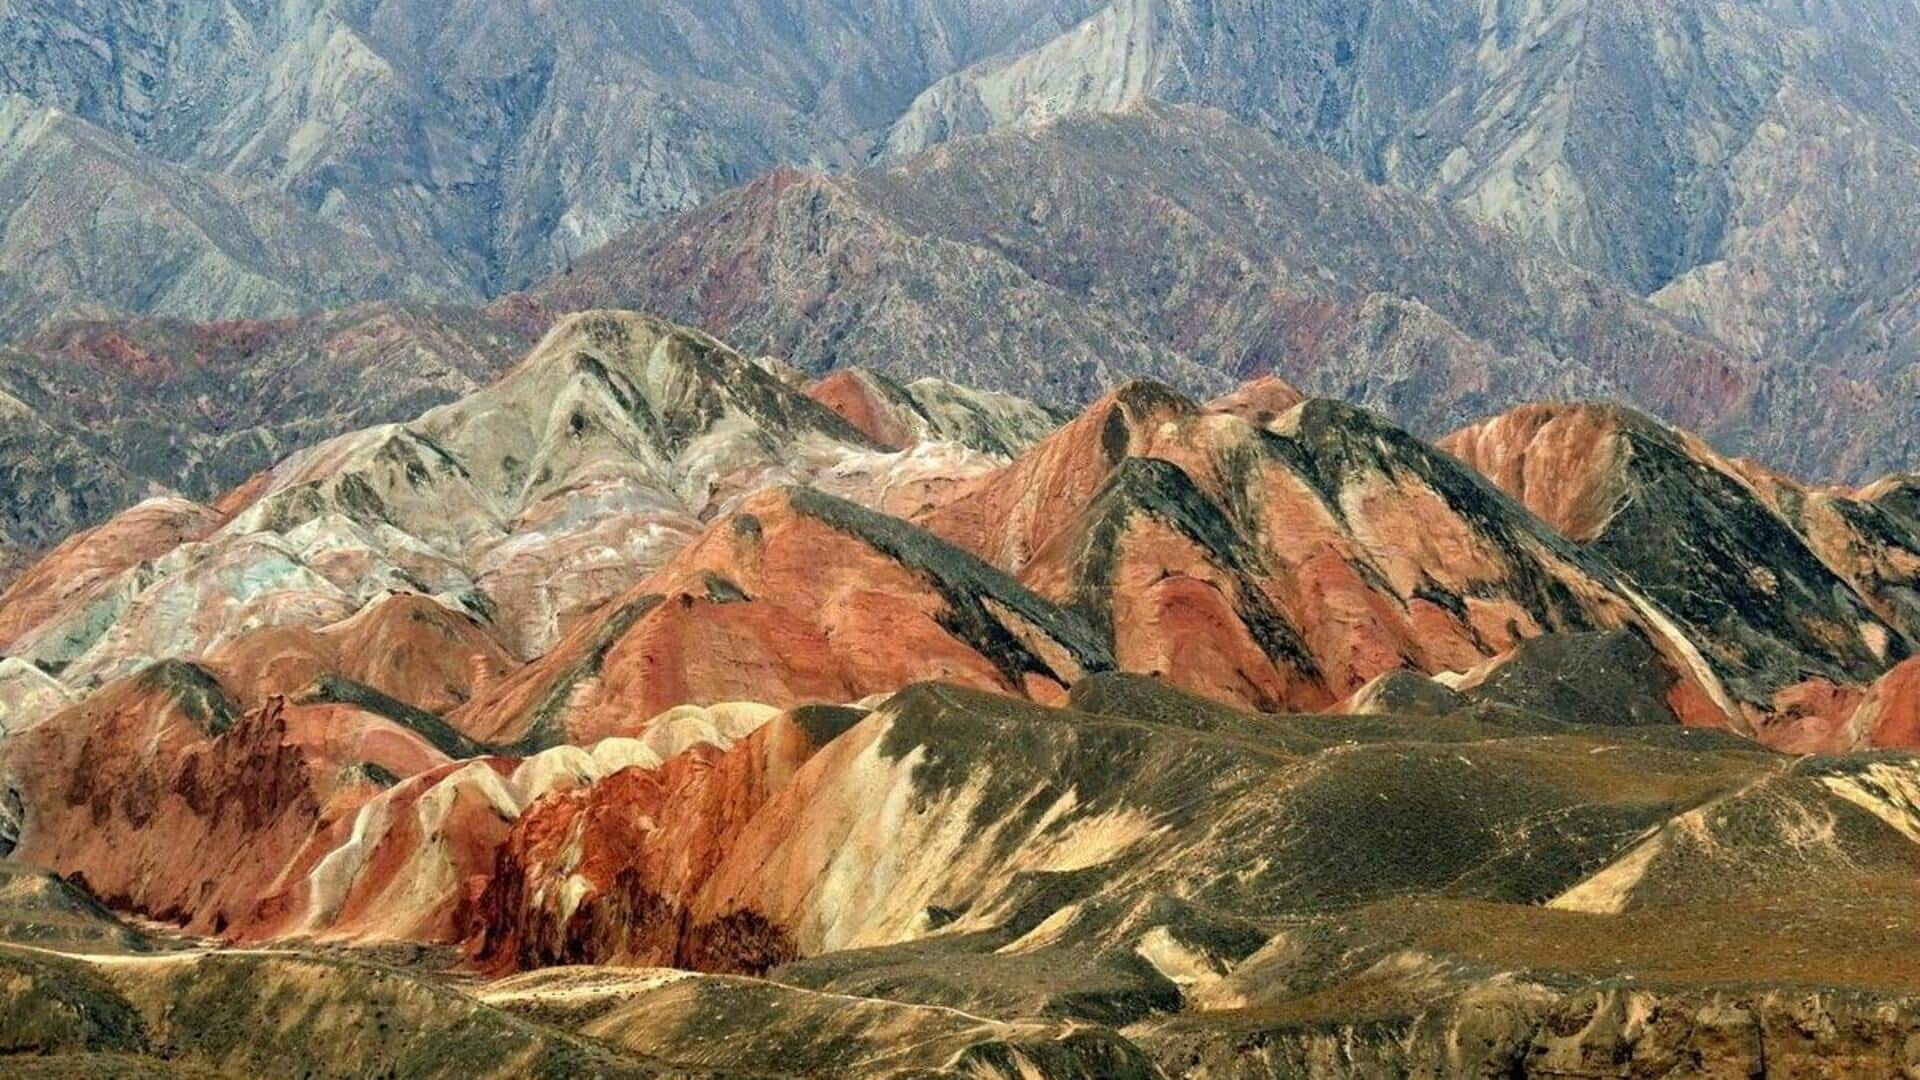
x=499, y=137
x=91, y=226
x=1022, y=261
x=1614, y=132
x=1746, y=165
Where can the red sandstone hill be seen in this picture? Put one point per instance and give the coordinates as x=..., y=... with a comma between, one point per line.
x=1800, y=596
x=645, y=656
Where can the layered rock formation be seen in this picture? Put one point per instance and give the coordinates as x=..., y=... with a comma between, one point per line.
x=1743, y=167
x=1249, y=737
x=959, y=874
x=1799, y=596
x=1739, y=170
x=1285, y=565
x=527, y=504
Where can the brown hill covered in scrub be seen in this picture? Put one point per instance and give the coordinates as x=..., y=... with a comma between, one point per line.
x=1129, y=886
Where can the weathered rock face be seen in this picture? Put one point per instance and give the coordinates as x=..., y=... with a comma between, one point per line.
x=73, y=583
x=113, y=791
x=476, y=159
x=526, y=505
x=161, y=162
x=897, y=417
x=98, y=226
x=957, y=748
x=636, y=849
x=795, y=598
x=1097, y=864
x=405, y=647
x=1755, y=190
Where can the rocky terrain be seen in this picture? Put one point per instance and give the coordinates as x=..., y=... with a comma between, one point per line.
x=473, y=148
x=1614, y=133
x=1135, y=538
x=95, y=228
x=100, y=415
x=1626, y=137
x=1240, y=255
x=1244, y=254
x=1740, y=167
x=653, y=710
x=1388, y=206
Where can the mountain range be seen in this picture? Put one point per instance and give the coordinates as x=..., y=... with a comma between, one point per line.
x=959, y=538
x=1253, y=735
x=476, y=146
x=1739, y=167
x=988, y=261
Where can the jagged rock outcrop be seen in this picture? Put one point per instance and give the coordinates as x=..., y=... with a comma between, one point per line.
x=1743, y=165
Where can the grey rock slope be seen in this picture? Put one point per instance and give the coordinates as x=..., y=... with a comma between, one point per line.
x=1749, y=166
x=91, y=226
x=496, y=138
x=1611, y=131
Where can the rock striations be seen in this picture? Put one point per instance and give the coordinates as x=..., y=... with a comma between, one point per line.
x=651, y=711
